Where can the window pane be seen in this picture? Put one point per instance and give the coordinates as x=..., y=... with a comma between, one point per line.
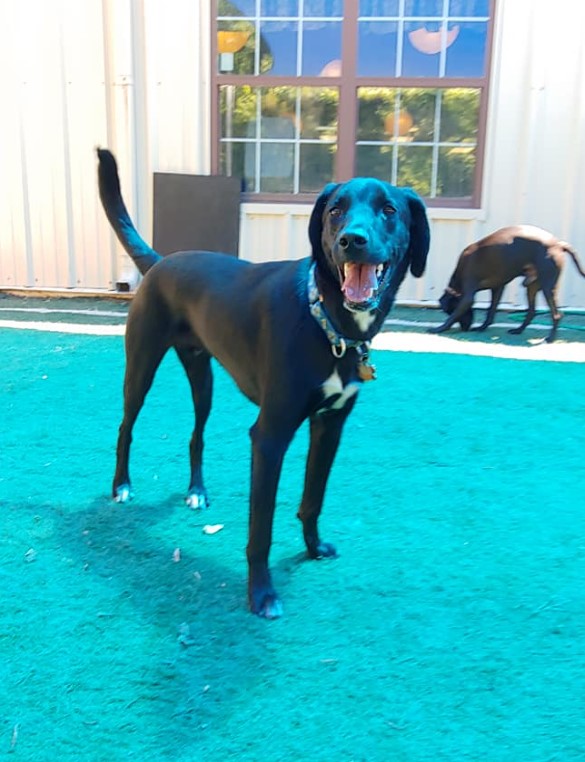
x=455, y=171
x=422, y=46
x=279, y=8
x=235, y=46
x=423, y=8
x=281, y=40
x=319, y=113
x=237, y=108
x=277, y=167
x=378, y=8
x=415, y=167
x=278, y=112
x=377, y=43
x=376, y=113
x=316, y=166
x=238, y=160
x=236, y=8
x=459, y=115
x=374, y=161
x=420, y=105
x=321, y=47
x=466, y=56
x=323, y=8
x=470, y=8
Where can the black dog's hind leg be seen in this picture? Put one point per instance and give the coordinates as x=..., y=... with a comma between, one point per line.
x=269, y=446
x=197, y=364
x=143, y=356
x=493, y=308
x=325, y=433
x=531, y=290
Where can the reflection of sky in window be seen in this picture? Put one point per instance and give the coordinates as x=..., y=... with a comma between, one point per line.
x=323, y=8
x=423, y=7
x=237, y=8
x=321, y=45
x=281, y=38
x=378, y=42
x=378, y=8
x=469, y=8
x=467, y=54
x=279, y=8
x=377, y=49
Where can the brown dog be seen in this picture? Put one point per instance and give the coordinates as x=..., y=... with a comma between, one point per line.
x=496, y=260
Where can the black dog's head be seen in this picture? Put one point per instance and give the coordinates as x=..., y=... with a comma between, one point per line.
x=365, y=233
x=449, y=301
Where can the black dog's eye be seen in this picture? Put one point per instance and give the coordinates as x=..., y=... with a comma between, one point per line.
x=335, y=212
x=388, y=210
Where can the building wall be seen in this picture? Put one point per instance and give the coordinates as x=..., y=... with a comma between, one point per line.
x=134, y=75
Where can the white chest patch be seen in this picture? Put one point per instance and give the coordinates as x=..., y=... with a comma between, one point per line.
x=364, y=320
x=332, y=387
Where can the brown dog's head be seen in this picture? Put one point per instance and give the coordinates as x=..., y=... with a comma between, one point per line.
x=365, y=234
x=449, y=301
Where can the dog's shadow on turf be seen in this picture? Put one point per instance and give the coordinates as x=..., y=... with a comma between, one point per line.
x=194, y=603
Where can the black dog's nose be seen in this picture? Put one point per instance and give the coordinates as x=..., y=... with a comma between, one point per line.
x=353, y=239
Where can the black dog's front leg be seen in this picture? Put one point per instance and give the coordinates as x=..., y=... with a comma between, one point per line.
x=326, y=431
x=268, y=452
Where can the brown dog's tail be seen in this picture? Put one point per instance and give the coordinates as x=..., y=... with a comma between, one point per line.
x=573, y=254
x=111, y=197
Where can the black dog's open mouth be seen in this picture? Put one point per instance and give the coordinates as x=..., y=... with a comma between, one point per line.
x=360, y=284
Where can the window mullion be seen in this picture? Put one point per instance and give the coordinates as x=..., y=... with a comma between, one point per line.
x=347, y=114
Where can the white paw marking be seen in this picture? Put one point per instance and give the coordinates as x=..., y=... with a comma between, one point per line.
x=123, y=495
x=196, y=502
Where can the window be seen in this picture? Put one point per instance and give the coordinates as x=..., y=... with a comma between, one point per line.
x=309, y=91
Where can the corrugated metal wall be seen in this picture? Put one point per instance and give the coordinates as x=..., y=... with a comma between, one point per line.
x=134, y=75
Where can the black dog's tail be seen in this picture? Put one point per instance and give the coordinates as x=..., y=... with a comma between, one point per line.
x=111, y=196
x=571, y=251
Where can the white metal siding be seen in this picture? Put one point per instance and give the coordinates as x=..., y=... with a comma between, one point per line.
x=134, y=75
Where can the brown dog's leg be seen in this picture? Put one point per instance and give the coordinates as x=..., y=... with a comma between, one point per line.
x=531, y=290
x=465, y=303
x=198, y=368
x=551, y=299
x=493, y=308
x=325, y=434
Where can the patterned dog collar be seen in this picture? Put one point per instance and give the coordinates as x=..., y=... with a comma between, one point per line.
x=339, y=344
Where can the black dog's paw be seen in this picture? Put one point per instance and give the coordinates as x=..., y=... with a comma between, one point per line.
x=262, y=597
x=318, y=550
x=265, y=604
x=197, y=500
x=515, y=331
x=123, y=493
x=436, y=329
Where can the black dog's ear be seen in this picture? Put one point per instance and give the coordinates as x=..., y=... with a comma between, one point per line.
x=316, y=221
x=420, y=234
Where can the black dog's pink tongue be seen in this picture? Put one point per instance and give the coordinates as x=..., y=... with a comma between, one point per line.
x=360, y=282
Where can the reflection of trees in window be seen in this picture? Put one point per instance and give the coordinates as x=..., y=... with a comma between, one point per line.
x=425, y=138
x=245, y=58
x=286, y=135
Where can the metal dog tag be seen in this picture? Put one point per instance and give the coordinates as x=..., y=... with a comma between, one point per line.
x=366, y=371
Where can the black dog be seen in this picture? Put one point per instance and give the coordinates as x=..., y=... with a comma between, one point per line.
x=294, y=336
x=495, y=261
